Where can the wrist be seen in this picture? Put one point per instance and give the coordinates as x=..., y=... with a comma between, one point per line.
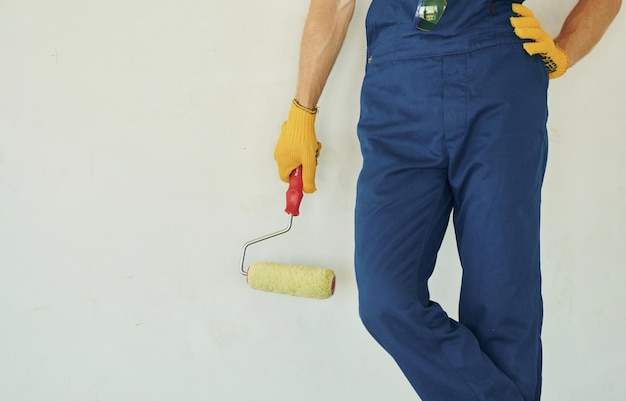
x=305, y=107
x=565, y=56
x=301, y=120
x=562, y=45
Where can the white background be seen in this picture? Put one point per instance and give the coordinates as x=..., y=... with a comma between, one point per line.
x=136, y=142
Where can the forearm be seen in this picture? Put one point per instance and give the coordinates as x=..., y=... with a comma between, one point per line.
x=585, y=26
x=324, y=33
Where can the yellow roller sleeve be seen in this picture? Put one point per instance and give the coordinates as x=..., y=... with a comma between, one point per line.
x=296, y=280
x=297, y=145
x=527, y=27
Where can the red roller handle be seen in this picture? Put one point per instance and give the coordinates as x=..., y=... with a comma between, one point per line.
x=294, y=192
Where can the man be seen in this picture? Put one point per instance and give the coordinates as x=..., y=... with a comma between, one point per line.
x=453, y=120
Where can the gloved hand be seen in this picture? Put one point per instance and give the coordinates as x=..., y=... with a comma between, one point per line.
x=297, y=145
x=528, y=27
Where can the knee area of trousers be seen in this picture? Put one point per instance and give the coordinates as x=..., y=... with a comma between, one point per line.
x=379, y=315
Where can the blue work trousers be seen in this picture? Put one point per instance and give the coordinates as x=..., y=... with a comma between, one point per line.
x=461, y=133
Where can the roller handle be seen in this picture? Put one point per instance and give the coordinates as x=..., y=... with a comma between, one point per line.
x=294, y=192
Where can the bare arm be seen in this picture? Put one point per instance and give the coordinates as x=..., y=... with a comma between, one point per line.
x=585, y=26
x=324, y=33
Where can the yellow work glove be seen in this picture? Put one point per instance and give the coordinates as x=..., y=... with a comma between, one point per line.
x=528, y=27
x=298, y=146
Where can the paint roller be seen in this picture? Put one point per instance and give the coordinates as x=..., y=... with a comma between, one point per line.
x=296, y=280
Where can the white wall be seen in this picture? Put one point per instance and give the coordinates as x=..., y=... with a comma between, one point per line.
x=136, y=142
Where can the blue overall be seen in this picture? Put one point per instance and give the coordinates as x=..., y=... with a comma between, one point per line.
x=453, y=121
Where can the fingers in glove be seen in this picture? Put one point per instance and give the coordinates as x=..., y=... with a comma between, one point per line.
x=309, y=168
x=533, y=48
x=522, y=10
